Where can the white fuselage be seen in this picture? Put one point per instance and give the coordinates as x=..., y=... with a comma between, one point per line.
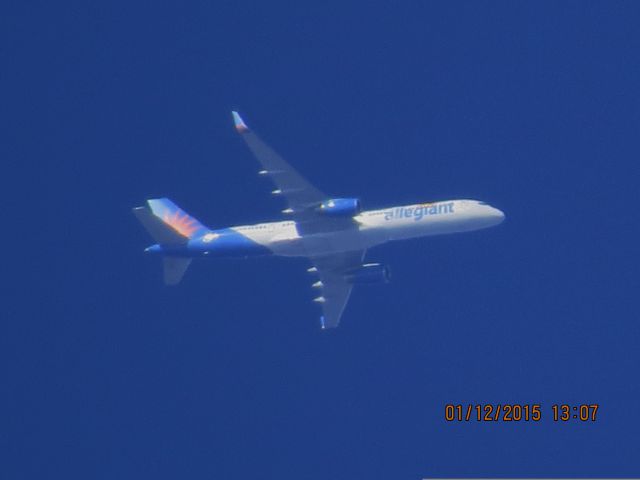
x=374, y=227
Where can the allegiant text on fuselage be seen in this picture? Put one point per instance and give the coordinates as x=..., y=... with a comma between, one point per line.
x=420, y=211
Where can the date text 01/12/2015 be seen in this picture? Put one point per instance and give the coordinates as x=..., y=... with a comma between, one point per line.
x=519, y=412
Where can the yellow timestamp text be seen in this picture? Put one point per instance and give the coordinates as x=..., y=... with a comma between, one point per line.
x=517, y=412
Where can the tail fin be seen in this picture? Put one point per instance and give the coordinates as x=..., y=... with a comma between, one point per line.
x=167, y=223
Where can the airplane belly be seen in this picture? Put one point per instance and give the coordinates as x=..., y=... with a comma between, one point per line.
x=225, y=243
x=291, y=247
x=321, y=244
x=455, y=223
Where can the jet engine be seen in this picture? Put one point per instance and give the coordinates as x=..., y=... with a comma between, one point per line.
x=368, y=273
x=340, y=207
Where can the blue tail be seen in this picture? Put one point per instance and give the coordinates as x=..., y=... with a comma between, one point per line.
x=167, y=223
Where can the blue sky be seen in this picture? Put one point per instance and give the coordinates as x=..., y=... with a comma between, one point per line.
x=532, y=107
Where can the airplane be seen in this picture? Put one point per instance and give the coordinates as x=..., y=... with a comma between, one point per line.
x=333, y=233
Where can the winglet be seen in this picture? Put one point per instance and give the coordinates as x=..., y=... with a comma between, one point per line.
x=241, y=127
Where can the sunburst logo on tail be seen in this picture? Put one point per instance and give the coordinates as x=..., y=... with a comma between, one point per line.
x=181, y=223
x=175, y=218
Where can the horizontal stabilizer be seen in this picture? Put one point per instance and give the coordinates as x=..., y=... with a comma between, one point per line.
x=174, y=268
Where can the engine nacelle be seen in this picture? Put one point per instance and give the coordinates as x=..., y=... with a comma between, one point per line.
x=340, y=207
x=368, y=273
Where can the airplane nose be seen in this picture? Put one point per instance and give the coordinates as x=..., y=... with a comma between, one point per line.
x=497, y=214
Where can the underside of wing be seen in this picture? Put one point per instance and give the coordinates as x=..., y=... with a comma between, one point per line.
x=299, y=193
x=315, y=215
x=333, y=285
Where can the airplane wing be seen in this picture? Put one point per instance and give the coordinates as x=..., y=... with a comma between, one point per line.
x=299, y=193
x=335, y=290
x=302, y=198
